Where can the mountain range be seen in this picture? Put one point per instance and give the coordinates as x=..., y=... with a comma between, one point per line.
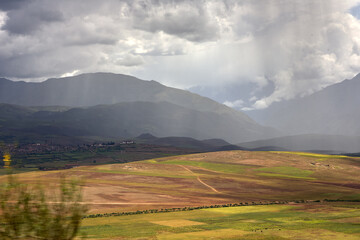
x=333, y=111
x=118, y=106
x=106, y=105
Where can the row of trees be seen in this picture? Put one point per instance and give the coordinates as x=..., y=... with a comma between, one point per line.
x=182, y=209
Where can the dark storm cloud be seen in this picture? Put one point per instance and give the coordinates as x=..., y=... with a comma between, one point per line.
x=25, y=21
x=297, y=46
x=49, y=63
x=185, y=19
x=6, y=5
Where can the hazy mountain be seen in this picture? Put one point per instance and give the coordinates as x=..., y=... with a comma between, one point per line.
x=183, y=142
x=104, y=88
x=236, y=94
x=216, y=142
x=308, y=142
x=129, y=119
x=333, y=110
x=145, y=106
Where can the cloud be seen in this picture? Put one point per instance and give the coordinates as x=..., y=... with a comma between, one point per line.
x=323, y=54
x=130, y=60
x=282, y=49
x=355, y=11
x=25, y=20
x=6, y=5
x=182, y=20
x=235, y=104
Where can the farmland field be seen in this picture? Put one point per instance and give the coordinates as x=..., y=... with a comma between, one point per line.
x=334, y=221
x=206, y=179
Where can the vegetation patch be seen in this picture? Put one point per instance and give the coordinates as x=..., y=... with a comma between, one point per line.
x=275, y=175
x=240, y=222
x=149, y=174
x=16, y=171
x=212, y=234
x=178, y=223
x=311, y=234
x=315, y=155
x=248, y=209
x=287, y=172
x=219, y=167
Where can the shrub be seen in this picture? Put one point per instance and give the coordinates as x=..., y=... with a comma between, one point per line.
x=28, y=213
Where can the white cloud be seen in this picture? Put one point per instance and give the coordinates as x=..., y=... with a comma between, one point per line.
x=3, y=18
x=70, y=74
x=130, y=60
x=235, y=104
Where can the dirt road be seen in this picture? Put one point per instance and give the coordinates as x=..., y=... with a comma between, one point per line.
x=198, y=178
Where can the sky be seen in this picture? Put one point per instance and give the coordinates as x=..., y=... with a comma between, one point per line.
x=247, y=54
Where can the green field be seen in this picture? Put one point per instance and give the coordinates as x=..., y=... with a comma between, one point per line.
x=219, y=167
x=326, y=221
x=287, y=172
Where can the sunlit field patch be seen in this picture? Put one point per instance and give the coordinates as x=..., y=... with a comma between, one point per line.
x=178, y=223
x=315, y=155
x=248, y=209
x=284, y=171
x=212, y=234
x=244, y=222
x=226, y=168
x=133, y=170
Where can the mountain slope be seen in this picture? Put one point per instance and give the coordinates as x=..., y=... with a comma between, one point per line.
x=104, y=88
x=308, y=142
x=333, y=110
x=183, y=142
x=130, y=119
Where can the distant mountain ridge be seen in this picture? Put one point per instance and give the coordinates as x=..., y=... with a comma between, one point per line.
x=102, y=95
x=334, y=110
x=307, y=142
x=184, y=142
x=104, y=88
x=123, y=120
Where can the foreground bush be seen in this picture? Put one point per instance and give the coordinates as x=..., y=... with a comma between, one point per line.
x=28, y=213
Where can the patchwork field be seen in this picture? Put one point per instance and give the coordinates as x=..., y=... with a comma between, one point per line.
x=211, y=178
x=323, y=221
x=207, y=179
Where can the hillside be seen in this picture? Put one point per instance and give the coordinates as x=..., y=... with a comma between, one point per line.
x=333, y=110
x=184, y=142
x=213, y=178
x=308, y=142
x=127, y=120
